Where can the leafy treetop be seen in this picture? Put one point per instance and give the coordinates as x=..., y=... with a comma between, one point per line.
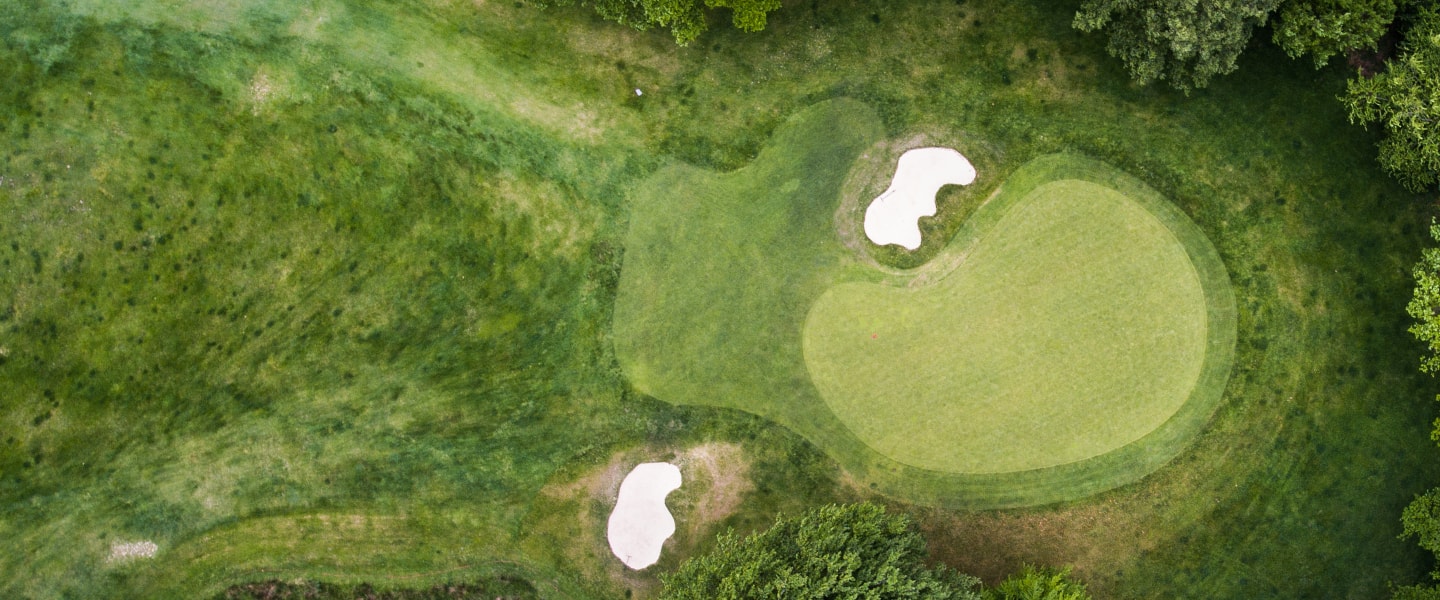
x=1325, y=28
x=1405, y=101
x=1421, y=518
x=1184, y=42
x=1424, y=306
x=684, y=18
x=1037, y=583
x=835, y=551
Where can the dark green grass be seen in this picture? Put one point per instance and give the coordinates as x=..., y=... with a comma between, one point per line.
x=407, y=399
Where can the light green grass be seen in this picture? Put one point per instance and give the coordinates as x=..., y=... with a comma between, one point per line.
x=1075, y=325
x=1138, y=322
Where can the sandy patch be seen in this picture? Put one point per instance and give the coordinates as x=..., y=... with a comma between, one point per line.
x=641, y=523
x=893, y=217
x=120, y=551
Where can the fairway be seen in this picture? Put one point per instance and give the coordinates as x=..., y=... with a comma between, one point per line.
x=1074, y=326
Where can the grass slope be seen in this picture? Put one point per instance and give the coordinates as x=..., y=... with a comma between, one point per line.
x=1076, y=324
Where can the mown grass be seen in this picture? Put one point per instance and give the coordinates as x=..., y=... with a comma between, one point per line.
x=465, y=397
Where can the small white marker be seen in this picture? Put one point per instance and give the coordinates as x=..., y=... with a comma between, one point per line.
x=638, y=92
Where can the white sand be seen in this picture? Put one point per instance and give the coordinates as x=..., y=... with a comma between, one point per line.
x=127, y=550
x=640, y=523
x=894, y=216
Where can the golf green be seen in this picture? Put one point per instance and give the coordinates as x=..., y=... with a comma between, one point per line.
x=1075, y=324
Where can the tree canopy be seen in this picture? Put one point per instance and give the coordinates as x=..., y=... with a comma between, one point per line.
x=1424, y=305
x=1183, y=42
x=684, y=18
x=1405, y=101
x=835, y=551
x=1421, y=519
x=1325, y=28
x=1038, y=583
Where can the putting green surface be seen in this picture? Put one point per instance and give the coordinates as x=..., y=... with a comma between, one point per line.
x=1075, y=325
x=1075, y=335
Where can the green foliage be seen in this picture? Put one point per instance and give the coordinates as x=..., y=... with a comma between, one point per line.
x=1183, y=42
x=684, y=18
x=1039, y=583
x=1416, y=592
x=1324, y=28
x=1405, y=101
x=1421, y=520
x=835, y=551
x=747, y=15
x=1424, y=306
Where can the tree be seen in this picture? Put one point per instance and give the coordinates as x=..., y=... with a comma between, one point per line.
x=1183, y=42
x=835, y=551
x=1036, y=583
x=1405, y=101
x=1324, y=28
x=1424, y=304
x=1416, y=592
x=1421, y=519
x=684, y=18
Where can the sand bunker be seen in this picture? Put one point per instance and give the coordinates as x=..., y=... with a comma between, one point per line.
x=894, y=216
x=640, y=523
x=127, y=550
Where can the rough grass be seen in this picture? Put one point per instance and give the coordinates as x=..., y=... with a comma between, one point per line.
x=1074, y=325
